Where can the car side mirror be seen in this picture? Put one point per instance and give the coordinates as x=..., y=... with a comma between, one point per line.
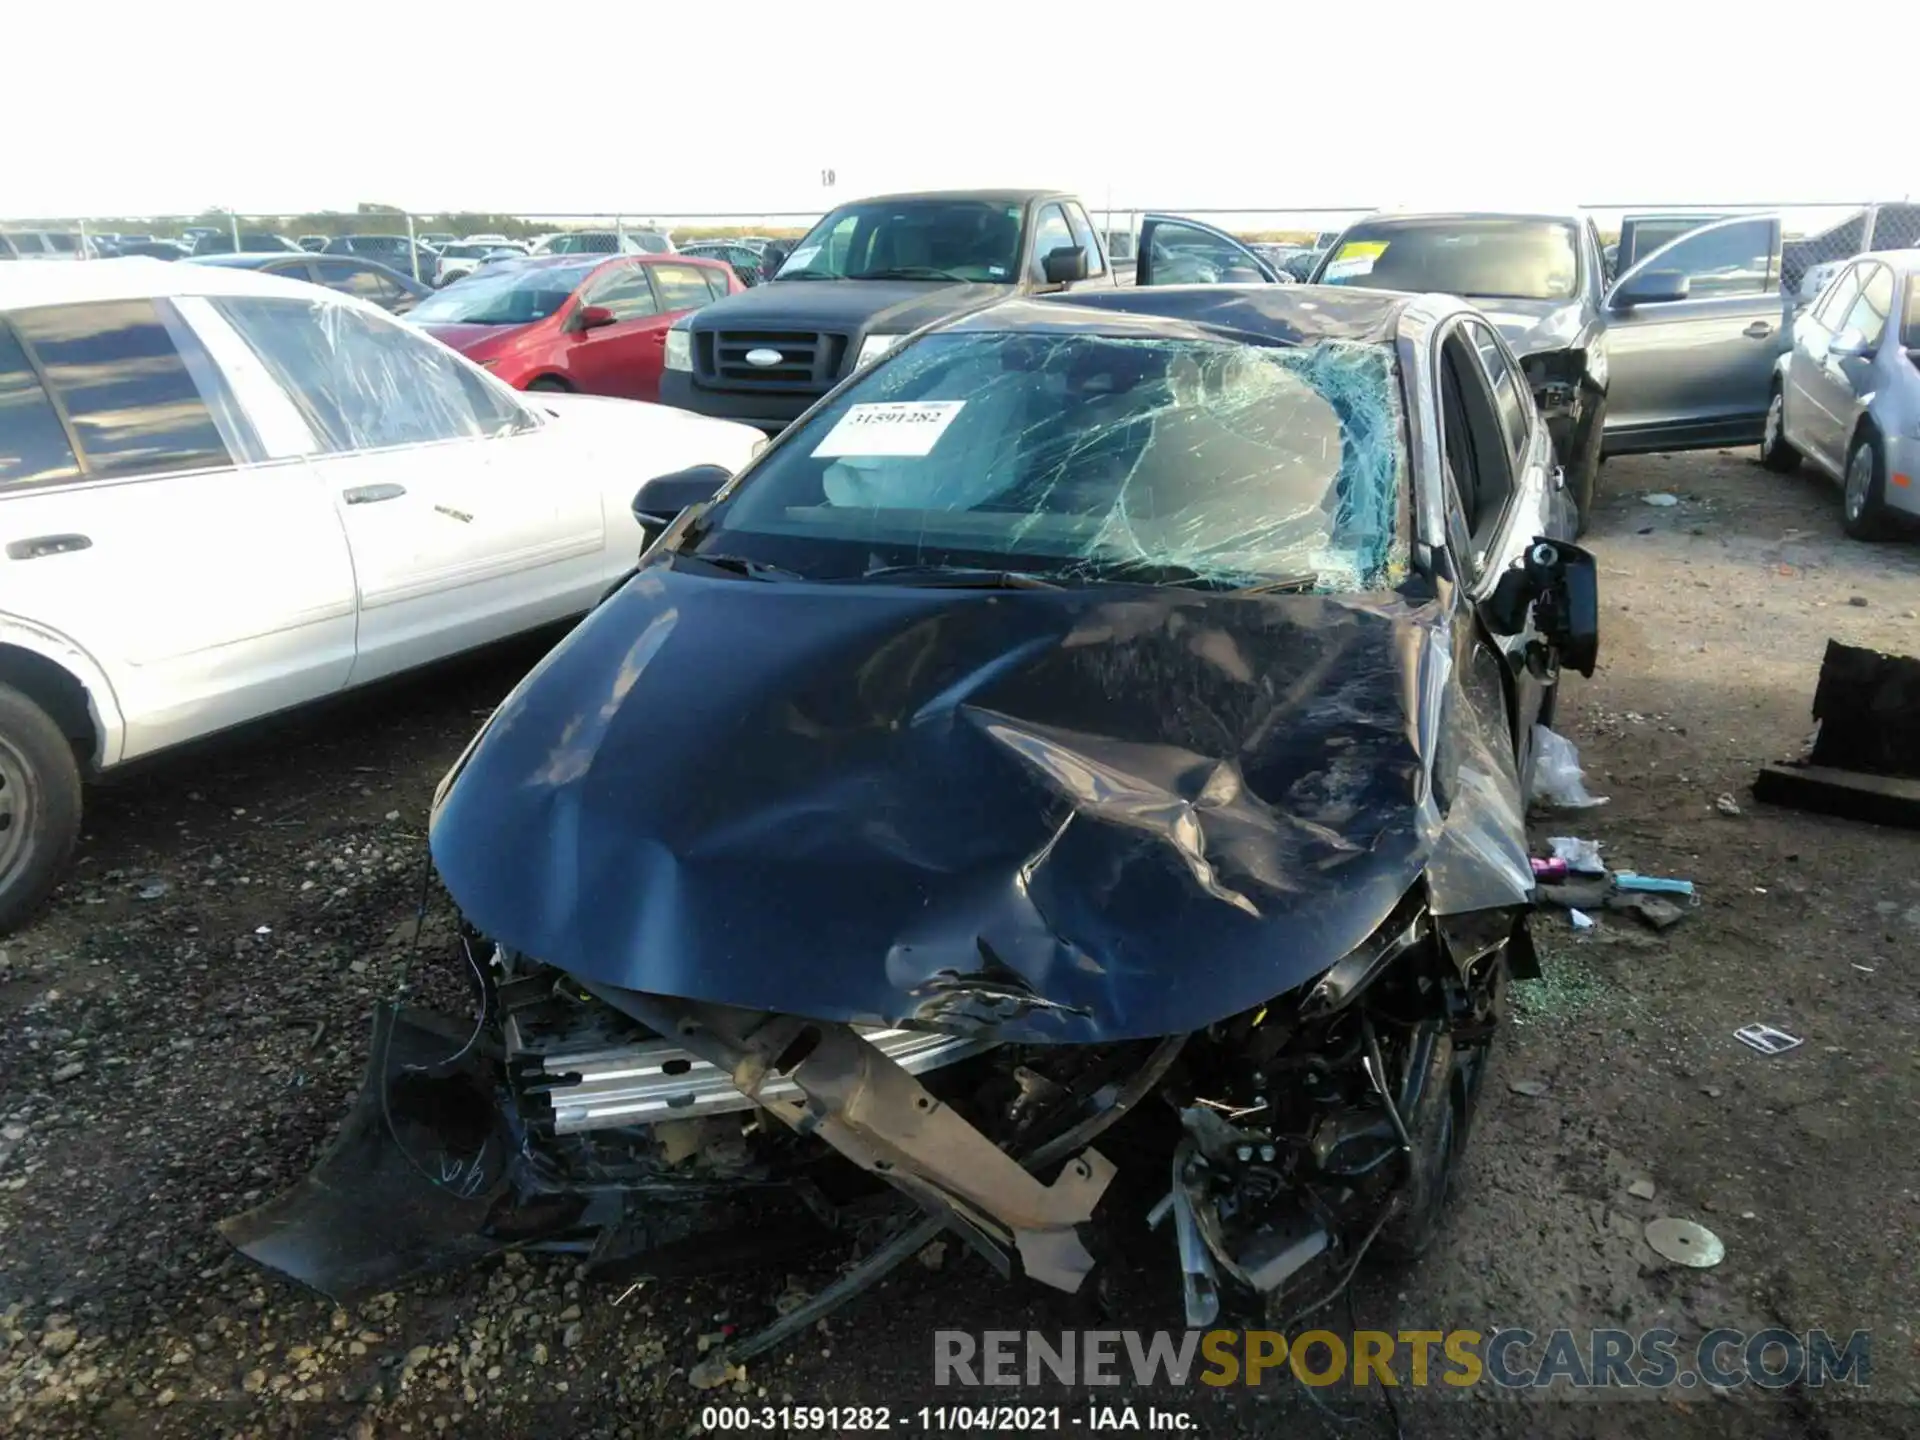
x=1560, y=583
x=660, y=499
x=1849, y=344
x=1065, y=264
x=591, y=317
x=1654, y=287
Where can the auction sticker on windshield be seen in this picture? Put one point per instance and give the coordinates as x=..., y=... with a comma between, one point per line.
x=891, y=427
x=1356, y=257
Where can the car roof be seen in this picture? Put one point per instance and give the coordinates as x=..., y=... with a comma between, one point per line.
x=1907, y=262
x=134, y=278
x=1287, y=314
x=989, y=197
x=1564, y=217
x=250, y=259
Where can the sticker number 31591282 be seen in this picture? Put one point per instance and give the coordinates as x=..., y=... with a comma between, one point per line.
x=894, y=427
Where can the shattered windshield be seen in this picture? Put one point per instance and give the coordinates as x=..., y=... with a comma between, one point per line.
x=1079, y=457
x=1490, y=259
x=911, y=240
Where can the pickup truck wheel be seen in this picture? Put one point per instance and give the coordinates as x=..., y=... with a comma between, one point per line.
x=1775, y=453
x=1864, y=507
x=549, y=382
x=39, y=806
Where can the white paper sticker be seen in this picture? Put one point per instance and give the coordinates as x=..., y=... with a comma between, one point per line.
x=1347, y=269
x=894, y=427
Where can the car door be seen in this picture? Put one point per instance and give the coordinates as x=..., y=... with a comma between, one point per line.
x=625, y=356
x=176, y=536
x=463, y=524
x=1174, y=250
x=1495, y=505
x=1813, y=404
x=1693, y=331
x=1837, y=385
x=362, y=280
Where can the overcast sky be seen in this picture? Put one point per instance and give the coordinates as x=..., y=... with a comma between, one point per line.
x=739, y=105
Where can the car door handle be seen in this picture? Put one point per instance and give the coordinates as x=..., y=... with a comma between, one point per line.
x=372, y=494
x=41, y=545
x=1758, y=330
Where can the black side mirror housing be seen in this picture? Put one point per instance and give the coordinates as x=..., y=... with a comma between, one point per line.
x=659, y=500
x=1655, y=287
x=1065, y=265
x=1561, y=584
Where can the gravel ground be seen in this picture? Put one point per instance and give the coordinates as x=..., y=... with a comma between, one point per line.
x=179, y=1035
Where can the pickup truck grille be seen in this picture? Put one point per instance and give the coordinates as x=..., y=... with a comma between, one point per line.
x=809, y=361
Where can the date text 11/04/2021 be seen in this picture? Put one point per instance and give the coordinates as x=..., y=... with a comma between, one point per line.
x=960, y=1419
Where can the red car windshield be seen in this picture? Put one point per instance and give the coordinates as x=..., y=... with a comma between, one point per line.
x=516, y=295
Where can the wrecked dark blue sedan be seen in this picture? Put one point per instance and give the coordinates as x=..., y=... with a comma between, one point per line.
x=1100, y=712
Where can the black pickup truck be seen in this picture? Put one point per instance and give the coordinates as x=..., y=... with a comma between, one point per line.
x=873, y=271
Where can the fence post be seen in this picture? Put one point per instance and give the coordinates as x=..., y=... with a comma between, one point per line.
x=413, y=249
x=84, y=250
x=620, y=234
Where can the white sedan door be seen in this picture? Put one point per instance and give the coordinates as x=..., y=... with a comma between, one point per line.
x=464, y=525
x=163, y=531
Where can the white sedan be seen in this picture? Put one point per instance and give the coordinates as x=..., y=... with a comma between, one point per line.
x=223, y=494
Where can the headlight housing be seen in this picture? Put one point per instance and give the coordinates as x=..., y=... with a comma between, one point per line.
x=873, y=347
x=680, y=349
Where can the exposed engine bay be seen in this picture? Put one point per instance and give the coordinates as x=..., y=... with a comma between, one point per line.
x=654, y=1135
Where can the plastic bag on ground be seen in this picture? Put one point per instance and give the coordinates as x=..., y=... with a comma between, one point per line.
x=1581, y=856
x=1556, y=772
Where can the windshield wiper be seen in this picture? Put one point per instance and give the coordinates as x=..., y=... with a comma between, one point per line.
x=740, y=565
x=908, y=272
x=957, y=577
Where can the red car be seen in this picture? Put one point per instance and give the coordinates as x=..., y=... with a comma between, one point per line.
x=596, y=324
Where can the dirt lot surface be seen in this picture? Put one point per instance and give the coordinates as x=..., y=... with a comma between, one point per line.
x=180, y=1034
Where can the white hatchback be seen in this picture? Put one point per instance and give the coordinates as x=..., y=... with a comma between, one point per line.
x=223, y=494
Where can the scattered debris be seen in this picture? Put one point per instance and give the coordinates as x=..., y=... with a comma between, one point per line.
x=631, y=1289
x=1727, y=805
x=1685, y=1243
x=1859, y=602
x=1534, y=1089
x=934, y=1255
x=1865, y=760
x=154, y=889
x=1580, y=855
x=1557, y=777
x=1651, y=884
x=1863, y=969
x=1581, y=920
x=715, y=1371
x=1660, y=499
x=1767, y=1039
x=1658, y=914
x=1555, y=869
x=1641, y=1190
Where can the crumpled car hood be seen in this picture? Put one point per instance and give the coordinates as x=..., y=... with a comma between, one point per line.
x=1057, y=815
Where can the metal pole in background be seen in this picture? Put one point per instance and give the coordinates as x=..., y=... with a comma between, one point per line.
x=85, y=249
x=620, y=234
x=233, y=224
x=413, y=250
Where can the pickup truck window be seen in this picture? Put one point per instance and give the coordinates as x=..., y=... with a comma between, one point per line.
x=974, y=240
x=1050, y=234
x=1083, y=237
x=1487, y=259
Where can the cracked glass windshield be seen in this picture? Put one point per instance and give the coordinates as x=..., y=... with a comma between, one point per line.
x=950, y=240
x=1079, y=457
